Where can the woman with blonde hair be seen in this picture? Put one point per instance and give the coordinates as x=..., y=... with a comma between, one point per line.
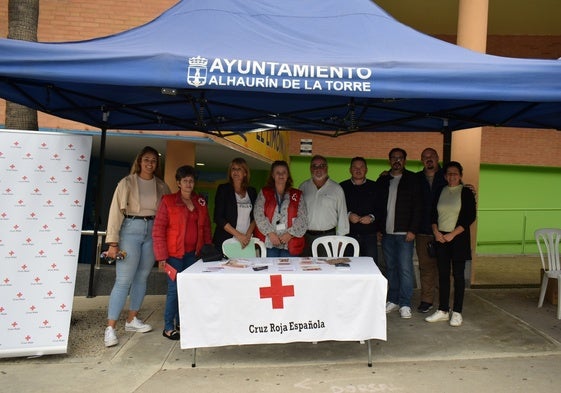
x=233, y=206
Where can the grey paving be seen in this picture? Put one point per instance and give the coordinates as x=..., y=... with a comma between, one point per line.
x=506, y=344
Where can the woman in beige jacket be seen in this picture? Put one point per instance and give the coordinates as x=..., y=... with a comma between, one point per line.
x=129, y=233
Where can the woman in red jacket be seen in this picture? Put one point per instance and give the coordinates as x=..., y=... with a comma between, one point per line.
x=181, y=227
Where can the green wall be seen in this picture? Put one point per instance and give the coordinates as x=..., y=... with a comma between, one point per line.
x=513, y=201
x=339, y=168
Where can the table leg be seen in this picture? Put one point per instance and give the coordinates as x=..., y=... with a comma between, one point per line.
x=369, y=354
x=194, y=362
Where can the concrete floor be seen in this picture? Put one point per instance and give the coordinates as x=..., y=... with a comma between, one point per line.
x=502, y=271
x=506, y=344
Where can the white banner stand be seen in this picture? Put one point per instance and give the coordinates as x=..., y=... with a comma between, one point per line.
x=43, y=180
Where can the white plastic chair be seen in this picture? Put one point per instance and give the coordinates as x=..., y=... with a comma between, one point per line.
x=232, y=248
x=548, y=240
x=335, y=245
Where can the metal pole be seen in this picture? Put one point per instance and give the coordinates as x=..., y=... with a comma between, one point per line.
x=446, y=142
x=524, y=221
x=97, y=208
x=369, y=353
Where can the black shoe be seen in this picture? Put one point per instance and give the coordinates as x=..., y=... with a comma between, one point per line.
x=424, y=307
x=173, y=335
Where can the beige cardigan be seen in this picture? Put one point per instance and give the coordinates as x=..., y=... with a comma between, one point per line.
x=126, y=200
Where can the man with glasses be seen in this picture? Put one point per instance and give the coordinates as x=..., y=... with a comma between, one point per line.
x=325, y=202
x=400, y=193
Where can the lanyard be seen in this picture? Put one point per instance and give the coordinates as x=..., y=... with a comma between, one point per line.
x=279, y=200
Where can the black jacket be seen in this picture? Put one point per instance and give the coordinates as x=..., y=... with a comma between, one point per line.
x=409, y=203
x=226, y=211
x=429, y=194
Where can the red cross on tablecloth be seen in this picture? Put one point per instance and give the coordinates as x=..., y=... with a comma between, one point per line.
x=276, y=291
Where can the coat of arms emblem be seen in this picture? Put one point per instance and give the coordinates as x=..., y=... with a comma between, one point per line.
x=196, y=73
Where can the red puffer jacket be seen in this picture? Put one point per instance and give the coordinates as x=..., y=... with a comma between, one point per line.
x=170, y=227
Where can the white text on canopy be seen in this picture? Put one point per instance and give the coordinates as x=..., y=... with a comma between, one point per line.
x=276, y=75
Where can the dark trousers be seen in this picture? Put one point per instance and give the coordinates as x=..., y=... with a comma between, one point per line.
x=309, y=237
x=445, y=264
x=171, y=312
x=368, y=243
x=428, y=268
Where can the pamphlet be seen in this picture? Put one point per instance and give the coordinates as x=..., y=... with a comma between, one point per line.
x=170, y=271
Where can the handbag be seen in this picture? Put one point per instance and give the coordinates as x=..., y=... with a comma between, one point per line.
x=431, y=248
x=209, y=253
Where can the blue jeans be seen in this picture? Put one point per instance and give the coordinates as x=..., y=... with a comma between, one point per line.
x=398, y=255
x=132, y=272
x=171, y=314
x=278, y=253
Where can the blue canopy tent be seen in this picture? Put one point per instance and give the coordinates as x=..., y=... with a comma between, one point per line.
x=235, y=66
x=223, y=66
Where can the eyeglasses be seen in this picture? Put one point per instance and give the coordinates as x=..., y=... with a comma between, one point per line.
x=394, y=158
x=319, y=166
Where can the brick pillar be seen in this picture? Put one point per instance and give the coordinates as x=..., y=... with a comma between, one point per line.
x=466, y=144
x=178, y=153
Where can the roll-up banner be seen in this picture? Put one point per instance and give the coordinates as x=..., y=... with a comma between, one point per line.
x=43, y=179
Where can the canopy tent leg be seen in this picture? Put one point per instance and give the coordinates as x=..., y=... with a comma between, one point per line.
x=446, y=143
x=97, y=208
x=369, y=345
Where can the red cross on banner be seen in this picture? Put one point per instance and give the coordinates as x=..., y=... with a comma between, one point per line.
x=276, y=291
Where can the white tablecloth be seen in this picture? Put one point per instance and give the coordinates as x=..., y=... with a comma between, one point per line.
x=289, y=301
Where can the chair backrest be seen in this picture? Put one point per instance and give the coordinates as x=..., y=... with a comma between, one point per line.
x=232, y=248
x=335, y=245
x=548, y=240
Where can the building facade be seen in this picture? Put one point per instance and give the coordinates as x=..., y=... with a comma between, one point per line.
x=73, y=20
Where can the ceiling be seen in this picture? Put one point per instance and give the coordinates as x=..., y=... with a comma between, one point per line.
x=124, y=148
x=506, y=17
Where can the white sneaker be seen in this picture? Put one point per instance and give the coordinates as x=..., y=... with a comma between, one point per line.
x=136, y=325
x=405, y=312
x=438, y=316
x=391, y=307
x=456, y=319
x=110, y=337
